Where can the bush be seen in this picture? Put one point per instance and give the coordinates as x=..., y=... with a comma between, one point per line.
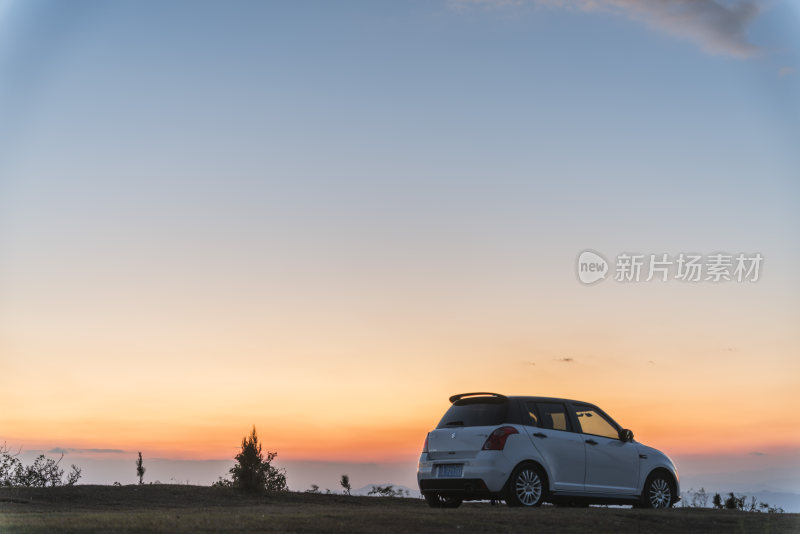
x=254, y=473
x=386, y=491
x=222, y=483
x=41, y=473
x=695, y=499
x=733, y=502
x=740, y=502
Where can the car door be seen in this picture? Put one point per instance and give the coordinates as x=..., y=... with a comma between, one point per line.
x=612, y=465
x=551, y=432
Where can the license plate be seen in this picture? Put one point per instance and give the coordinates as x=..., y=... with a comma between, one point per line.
x=450, y=470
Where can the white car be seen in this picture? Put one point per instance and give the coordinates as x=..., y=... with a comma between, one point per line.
x=530, y=450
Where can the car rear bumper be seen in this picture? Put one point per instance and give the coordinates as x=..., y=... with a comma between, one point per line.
x=464, y=487
x=483, y=476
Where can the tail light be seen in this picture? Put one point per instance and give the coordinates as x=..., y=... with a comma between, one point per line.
x=497, y=439
x=425, y=445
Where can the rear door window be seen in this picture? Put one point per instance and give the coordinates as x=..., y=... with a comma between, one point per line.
x=475, y=414
x=551, y=415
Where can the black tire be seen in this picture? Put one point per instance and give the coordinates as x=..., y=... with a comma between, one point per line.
x=527, y=486
x=658, y=492
x=435, y=500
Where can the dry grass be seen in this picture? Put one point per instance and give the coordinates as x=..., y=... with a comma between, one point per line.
x=174, y=508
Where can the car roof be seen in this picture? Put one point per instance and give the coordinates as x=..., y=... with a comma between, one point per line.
x=546, y=399
x=485, y=396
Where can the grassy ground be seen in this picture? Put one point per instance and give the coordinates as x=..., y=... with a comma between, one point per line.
x=174, y=508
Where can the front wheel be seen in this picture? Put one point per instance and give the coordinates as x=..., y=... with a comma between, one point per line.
x=435, y=500
x=658, y=492
x=526, y=486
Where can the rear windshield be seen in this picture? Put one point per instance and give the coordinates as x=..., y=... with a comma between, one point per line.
x=475, y=414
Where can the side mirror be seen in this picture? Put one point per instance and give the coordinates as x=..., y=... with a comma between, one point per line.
x=626, y=435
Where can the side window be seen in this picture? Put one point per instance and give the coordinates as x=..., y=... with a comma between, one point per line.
x=593, y=422
x=532, y=417
x=552, y=415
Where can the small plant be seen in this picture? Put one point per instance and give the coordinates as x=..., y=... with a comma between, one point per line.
x=741, y=503
x=314, y=489
x=770, y=509
x=386, y=491
x=73, y=476
x=733, y=502
x=222, y=483
x=140, y=469
x=345, y=483
x=696, y=499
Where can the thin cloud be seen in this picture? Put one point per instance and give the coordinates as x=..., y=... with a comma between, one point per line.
x=785, y=71
x=565, y=360
x=62, y=450
x=756, y=453
x=718, y=26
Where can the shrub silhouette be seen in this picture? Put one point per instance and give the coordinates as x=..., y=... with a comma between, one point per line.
x=254, y=473
x=140, y=469
x=345, y=483
x=733, y=502
x=41, y=473
x=386, y=491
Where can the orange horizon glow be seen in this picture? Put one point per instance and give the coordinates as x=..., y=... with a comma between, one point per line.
x=369, y=438
x=348, y=395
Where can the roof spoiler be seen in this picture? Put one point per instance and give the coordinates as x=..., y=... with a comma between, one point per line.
x=478, y=396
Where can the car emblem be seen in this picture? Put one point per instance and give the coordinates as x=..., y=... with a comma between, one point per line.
x=453, y=435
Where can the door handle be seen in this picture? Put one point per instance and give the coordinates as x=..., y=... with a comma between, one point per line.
x=540, y=435
x=591, y=442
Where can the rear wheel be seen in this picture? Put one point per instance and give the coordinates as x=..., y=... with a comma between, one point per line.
x=526, y=486
x=658, y=491
x=435, y=500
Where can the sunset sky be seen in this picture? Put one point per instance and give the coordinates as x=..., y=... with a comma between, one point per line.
x=325, y=218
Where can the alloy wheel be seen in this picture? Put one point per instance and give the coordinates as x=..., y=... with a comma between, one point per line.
x=528, y=487
x=660, y=494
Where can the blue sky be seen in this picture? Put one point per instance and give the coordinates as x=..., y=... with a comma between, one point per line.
x=361, y=187
x=283, y=98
